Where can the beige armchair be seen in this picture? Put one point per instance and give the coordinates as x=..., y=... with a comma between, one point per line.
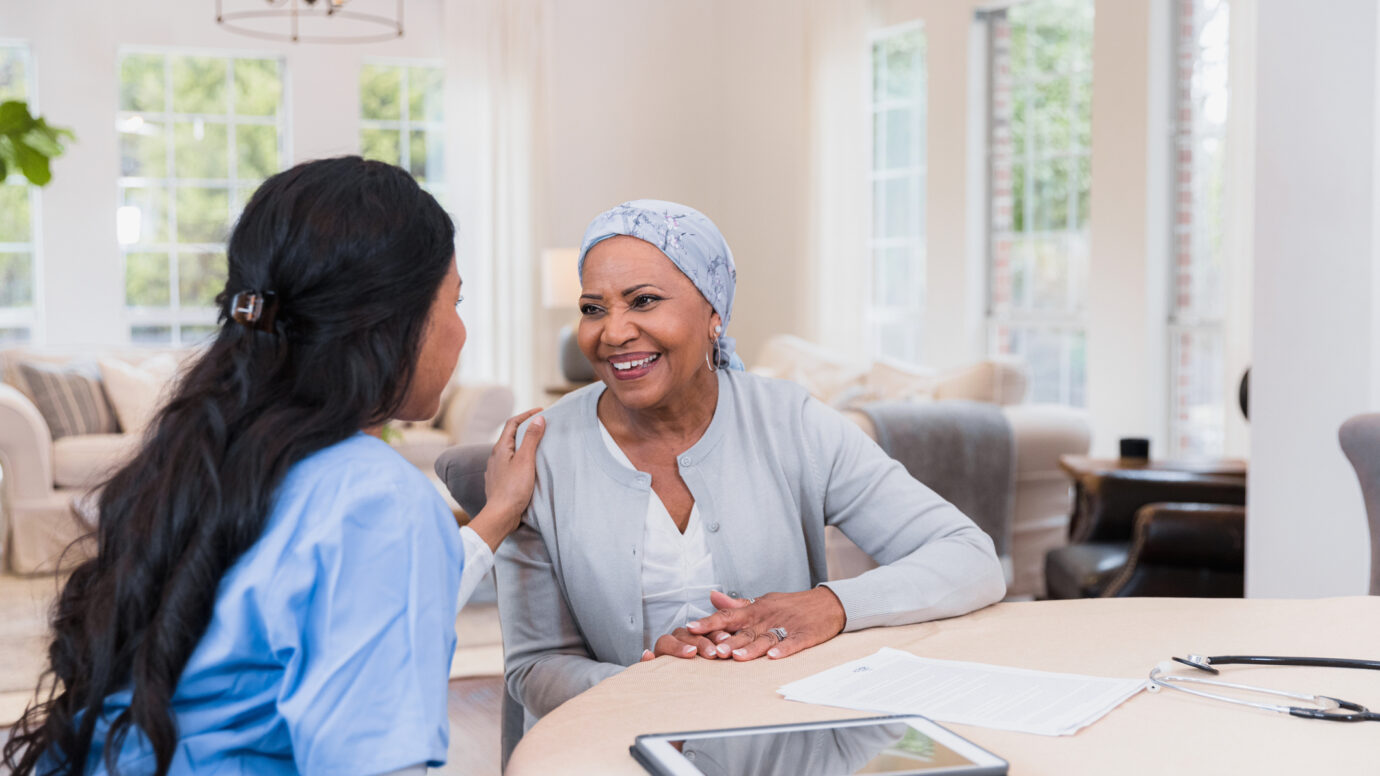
x=42, y=481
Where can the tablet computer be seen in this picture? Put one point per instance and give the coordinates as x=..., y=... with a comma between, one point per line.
x=893, y=746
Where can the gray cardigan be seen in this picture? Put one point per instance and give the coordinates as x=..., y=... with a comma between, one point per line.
x=772, y=470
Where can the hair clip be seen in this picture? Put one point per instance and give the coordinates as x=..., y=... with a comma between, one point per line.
x=254, y=309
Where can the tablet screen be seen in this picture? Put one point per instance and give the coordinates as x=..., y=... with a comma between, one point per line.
x=885, y=748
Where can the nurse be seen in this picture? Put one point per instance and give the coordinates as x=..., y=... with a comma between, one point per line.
x=275, y=590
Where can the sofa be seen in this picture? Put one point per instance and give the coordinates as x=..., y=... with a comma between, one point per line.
x=46, y=483
x=1042, y=499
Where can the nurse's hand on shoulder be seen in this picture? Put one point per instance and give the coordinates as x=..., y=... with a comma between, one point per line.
x=508, y=480
x=742, y=629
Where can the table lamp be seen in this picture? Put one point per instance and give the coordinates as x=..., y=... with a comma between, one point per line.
x=560, y=290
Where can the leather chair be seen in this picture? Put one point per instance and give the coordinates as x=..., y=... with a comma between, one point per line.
x=462, y=469
x=1143, y=532
x=1360, y=438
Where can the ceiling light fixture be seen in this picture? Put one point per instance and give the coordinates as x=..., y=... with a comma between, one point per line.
x=313, y=21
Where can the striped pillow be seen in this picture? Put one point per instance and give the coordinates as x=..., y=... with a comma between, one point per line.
x=70, y=398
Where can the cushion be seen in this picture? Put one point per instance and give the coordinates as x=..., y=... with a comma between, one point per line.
x=87, y=459
x=996, y=380
x=70, y=398
x=418, y=443
x=893, y=381
x=833, y=380
x=137, y=392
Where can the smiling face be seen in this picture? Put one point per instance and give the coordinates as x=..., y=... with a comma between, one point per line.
x=644, y=326
x=440, y=349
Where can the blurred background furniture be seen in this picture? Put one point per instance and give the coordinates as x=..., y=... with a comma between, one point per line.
x=44, y=478
x=461, y=468
x=1040, y=503
x=1152, y=528
x=1360, y=439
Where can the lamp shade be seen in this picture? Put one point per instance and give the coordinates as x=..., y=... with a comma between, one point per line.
x=560, y=281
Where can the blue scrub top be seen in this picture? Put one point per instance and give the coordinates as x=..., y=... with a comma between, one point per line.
x=330, y=646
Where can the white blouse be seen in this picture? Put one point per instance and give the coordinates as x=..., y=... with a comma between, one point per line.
x=677, y=569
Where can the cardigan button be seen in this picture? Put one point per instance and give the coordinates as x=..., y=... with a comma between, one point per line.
x=714, y=526
x=686, y=461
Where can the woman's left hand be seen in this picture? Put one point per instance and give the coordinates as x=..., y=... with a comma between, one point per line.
x=808, y=618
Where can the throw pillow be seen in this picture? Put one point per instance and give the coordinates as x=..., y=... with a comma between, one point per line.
x=894, y=381
x=69, y=397
x=137, y=392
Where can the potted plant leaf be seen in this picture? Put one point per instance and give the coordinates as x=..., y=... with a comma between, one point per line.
x=28, y=143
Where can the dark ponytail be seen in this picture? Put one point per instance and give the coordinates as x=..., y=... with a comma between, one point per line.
x=353, y=252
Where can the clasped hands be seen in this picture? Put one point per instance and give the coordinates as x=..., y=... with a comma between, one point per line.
x=742, y=629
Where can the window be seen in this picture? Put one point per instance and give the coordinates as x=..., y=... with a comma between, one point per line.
x=401, y=121
x=19, y=203
x=1197, y=296
x=1039, y=138
x=197, y=135
x=895, y=312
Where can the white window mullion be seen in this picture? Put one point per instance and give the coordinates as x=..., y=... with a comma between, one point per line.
x=178, y=314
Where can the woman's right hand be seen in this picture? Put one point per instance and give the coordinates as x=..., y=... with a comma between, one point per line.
x=508, y=480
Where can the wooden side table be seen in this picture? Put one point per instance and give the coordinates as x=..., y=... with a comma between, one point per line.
x=1087, y=474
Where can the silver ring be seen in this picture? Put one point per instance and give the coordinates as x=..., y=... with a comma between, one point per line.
x=779, y=633
x=752, y=600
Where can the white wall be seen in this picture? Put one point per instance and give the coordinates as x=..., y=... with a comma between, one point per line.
x=1317, y=265
x=1127, y=270
x=701, y=103
x=75, y=59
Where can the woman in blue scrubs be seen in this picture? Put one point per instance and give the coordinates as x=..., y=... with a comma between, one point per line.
x=274, y=590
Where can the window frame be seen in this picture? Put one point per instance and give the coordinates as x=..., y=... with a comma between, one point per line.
x=29, y=318
x=878, y=316
x=405, y=125
x=1006, y=318
x=1193, y=322
x=175, y=316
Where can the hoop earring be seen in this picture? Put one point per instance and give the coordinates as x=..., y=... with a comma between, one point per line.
x=707, y=363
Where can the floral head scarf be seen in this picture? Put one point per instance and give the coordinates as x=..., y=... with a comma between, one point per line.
x=690, y=240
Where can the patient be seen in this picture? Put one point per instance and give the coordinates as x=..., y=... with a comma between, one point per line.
x=679, y=485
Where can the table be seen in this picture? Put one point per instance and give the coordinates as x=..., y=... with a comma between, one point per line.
x=1163, y=733
x=1077, y=466
x=1167, y=481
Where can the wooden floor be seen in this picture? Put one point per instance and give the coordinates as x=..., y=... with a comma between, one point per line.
x=475, y=706
x=475, y=710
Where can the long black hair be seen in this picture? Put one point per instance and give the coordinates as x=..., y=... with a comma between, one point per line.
x=354, y=252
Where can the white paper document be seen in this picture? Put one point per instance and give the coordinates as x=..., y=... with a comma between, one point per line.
x=897, y=682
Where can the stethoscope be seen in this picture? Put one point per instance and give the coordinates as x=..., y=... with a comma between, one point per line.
x=1324, y=707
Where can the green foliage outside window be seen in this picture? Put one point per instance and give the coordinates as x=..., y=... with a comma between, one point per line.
x=401, y=109
x=197, y=135
x=16, y=279
x=1051, y=114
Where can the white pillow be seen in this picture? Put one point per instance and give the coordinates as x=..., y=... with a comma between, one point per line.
x=893, y=381
x=137, y=392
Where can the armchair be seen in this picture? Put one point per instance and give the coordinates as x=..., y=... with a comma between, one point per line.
x=1153, y=532
x=43, y=481
x=1360, y=438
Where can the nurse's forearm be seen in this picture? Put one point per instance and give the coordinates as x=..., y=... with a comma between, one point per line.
x=493, y=524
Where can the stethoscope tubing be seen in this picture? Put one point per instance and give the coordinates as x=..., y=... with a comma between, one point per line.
x=1326, y=707
x=1314, y=662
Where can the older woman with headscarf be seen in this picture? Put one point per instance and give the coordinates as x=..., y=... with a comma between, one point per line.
x=679, y=485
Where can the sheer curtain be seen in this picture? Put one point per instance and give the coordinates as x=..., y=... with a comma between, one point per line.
x=839, y=124
x=494, y=62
